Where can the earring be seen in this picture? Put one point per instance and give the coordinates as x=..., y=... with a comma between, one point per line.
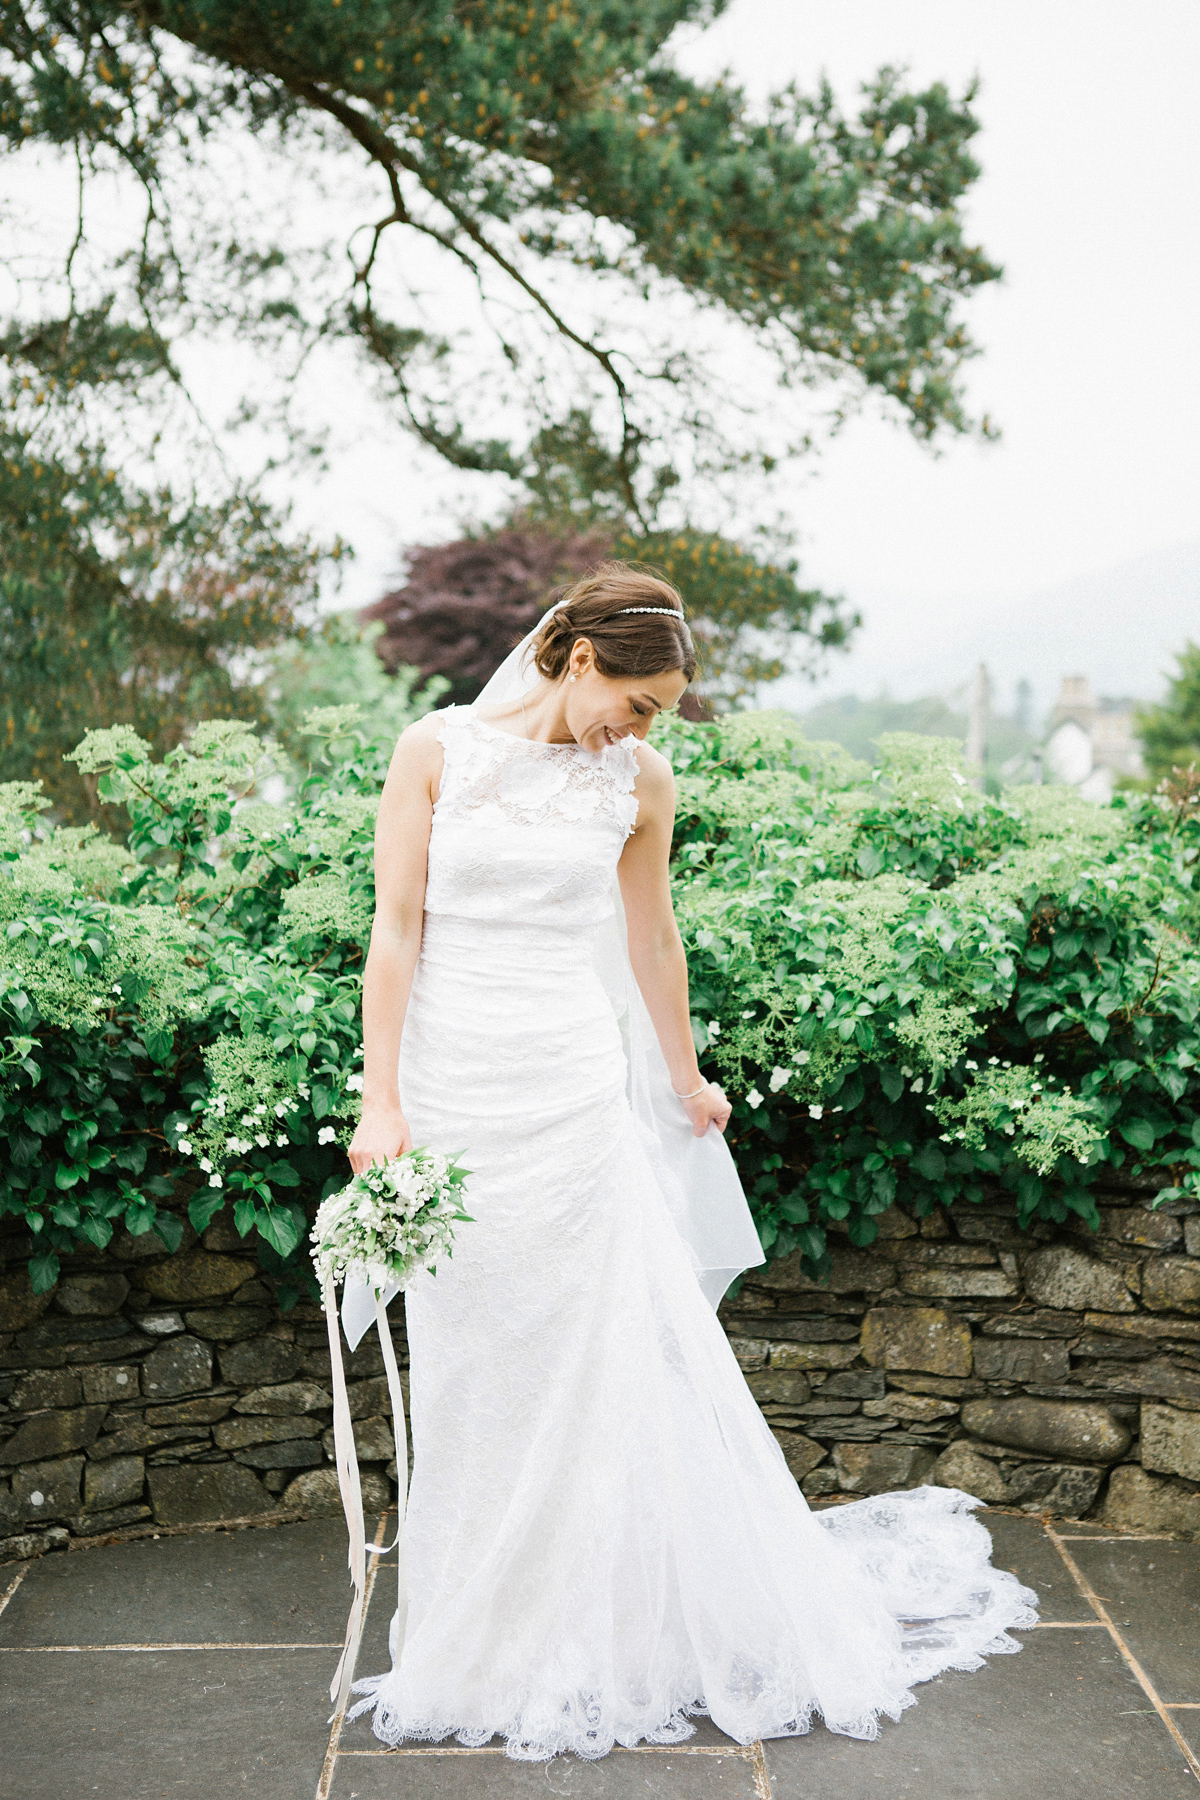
x=572, y=678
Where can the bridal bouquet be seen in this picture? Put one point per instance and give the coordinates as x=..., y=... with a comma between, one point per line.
x=395, y=1219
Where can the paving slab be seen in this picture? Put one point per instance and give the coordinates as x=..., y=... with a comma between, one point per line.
x=1019, y=1543
x=192, y=1725
x=1064, y=1718
x=1152, y=1590
x=490, y=1775
x=287, y=1585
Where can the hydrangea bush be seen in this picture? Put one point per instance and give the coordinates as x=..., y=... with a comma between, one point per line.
x=910, y=990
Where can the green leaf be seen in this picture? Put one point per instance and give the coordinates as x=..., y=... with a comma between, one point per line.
x=1139, y=1133
x=97, y=1231
x=891, y=1081
x=281, y=1174
x=203, y=1207
x=43, y=1271
x=169, y=1227
x=278, y=1226
x=158, y=1040
x=930, y=1161
x=245, y=1212
x=139, y=1215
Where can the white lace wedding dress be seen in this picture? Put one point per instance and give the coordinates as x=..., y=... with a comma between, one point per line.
x=603, y=1536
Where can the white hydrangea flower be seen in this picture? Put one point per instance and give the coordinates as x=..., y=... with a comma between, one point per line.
x=262, y=1140
x=214, y=1181
x=354, y=1083
x=779, y=1078
x=815, y=1112
x=184, y=1147
x=281, y=1140
x=205, y=1164
x=802, y=1056
x=754, y=1099
x=326, y=1135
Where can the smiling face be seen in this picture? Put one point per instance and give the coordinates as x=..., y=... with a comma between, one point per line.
x=603, y=709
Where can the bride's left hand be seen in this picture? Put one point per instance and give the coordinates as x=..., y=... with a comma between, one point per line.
x=708, y=1107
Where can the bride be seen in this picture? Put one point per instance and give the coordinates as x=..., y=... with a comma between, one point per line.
x=603, y=1536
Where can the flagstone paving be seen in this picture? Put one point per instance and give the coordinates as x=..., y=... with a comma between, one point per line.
x=197, y=1667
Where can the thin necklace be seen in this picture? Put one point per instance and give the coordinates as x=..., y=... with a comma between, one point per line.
x=524, y=720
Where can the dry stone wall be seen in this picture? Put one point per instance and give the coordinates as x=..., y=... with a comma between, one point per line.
x=1056, y=1371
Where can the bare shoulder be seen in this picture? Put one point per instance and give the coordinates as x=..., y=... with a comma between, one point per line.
x=655, y=784
x=418, y=751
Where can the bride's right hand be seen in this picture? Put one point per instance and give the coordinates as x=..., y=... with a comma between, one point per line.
x=382, y=1133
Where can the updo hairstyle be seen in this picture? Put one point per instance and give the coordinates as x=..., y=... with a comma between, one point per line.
x=625, y=643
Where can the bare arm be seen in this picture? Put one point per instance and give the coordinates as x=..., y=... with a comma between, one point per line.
x=401, y=853
x=655, y=947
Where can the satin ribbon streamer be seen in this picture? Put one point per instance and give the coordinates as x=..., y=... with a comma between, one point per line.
x=346, y=1459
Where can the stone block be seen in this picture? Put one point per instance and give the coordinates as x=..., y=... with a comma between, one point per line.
x=296, y=1453
x=373, y=1440
x=1171, y=1284
x=204, y=1411
x=41, y=1493
x=881, y=1468
x=1133, y=1225
x=1066, y=1428
x=807, y=1330
x=368, y=1397
x=851, y=1272
x=196, y=1275
x=91, y=1296
x=1067, y=1280
x=182, y=1365
x=316, y=1494
x=783, y=1387
x=291, y=1397
x=813, y=1356
x=751, y=1353
x=160, y=1324
x=820, y=1483
x=800, y=1453
x=51, y=1332
x=110, y=1381
x=1191, y=1235
x=52, y=1434
x=1065, y=1489
x=117, y=1482
x=956, y=1282
x=1035, y=1321
x=944, y=1386
x=19, y=1305
x=916, y=1409
x=854, y=1384
x=226, y=1324
x=197, y=1493
x=1038, y=1360
x=47, y=1387
x=916, y=1337
x=962, y=1467
x=1137, y=1501
x=259, y=1362
x=1170, y=1440
x=895, y=1223
x=33, y=1543
x=1144, y=1325
x=1159, y=1377
x=961, y=1256
x=236, y=1434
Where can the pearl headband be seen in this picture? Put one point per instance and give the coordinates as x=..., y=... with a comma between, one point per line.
x=668, y=612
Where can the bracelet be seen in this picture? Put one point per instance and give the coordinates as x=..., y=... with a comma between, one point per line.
x=693, y=1093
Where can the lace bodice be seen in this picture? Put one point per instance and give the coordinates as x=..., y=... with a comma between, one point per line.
x=525, y=832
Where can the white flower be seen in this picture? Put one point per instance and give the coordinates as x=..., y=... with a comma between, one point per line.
x=814, y=1112
x=183, y=1147
x=214, y=1181
x=232, y=1143
x=906, y=1072
x=754, y=1098
x=116, y=987
x=259, y=1110
x=303, y=1089
x=354, y=1083
x=262, y=1140
x=281, y=1140
x=918, y=1086
x=326, y=1135
x=205, y=1164
x=280, y=1109
x=970, y=1064
x=802, y=1057
x=779, y=1078
x=714, y=1028
x=749, y=1013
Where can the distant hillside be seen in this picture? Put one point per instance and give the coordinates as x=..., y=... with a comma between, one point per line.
x=858, y=724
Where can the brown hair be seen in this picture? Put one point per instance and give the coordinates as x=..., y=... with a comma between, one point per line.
x=625, y=642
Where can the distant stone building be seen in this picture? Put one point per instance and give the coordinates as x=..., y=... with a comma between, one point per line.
x=1091, y=740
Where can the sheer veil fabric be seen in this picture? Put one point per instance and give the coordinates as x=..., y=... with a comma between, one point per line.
x=603, y=1536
